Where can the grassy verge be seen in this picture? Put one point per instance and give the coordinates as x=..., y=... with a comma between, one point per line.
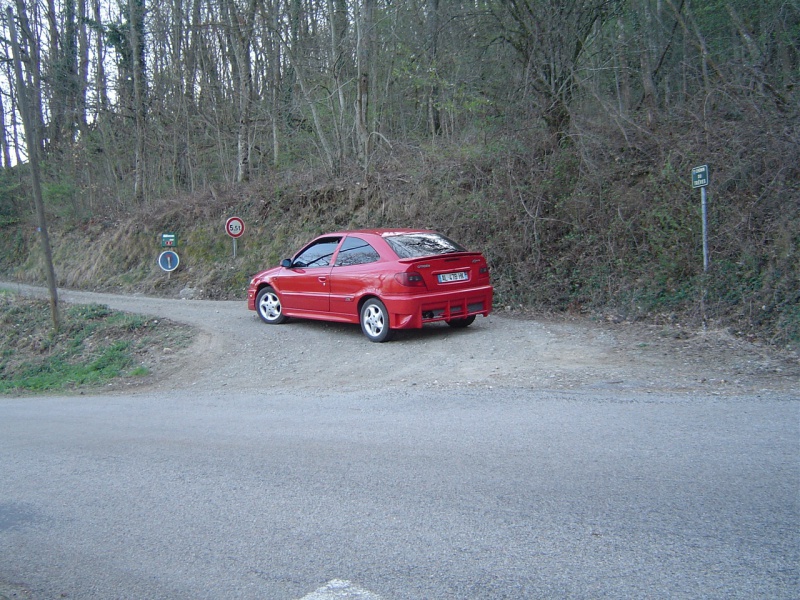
x=94, y=345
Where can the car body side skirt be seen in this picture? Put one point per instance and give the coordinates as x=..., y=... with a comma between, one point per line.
x=412, y=312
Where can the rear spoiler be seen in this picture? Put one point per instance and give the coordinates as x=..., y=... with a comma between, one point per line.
x=422, y=259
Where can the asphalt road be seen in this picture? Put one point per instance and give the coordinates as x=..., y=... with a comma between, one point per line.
x=399, y=490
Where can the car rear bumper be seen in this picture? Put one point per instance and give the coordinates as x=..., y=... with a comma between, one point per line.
x=411, y=312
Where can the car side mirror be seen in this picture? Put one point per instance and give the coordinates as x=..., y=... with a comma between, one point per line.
x=286, y=263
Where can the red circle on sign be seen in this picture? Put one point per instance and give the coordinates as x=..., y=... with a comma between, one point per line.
x=234, y=227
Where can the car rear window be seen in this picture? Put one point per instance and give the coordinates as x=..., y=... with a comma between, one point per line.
x=416, y=245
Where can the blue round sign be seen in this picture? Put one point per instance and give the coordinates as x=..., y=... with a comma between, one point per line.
x=168, y=260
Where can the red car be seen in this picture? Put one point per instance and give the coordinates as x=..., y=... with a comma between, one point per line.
x=384, y=279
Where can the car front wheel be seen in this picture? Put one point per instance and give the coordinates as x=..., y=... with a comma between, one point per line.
x=375, y=320
x=268, y=306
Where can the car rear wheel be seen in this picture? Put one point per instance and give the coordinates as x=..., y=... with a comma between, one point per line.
x=375, y=320
x=268, y=306
x=461, y=323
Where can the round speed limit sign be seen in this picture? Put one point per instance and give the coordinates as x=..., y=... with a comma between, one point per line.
x=234, y=227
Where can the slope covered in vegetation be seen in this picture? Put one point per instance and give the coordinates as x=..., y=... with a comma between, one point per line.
x=618, y=234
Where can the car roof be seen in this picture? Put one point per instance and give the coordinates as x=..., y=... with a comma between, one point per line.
x=381, y=232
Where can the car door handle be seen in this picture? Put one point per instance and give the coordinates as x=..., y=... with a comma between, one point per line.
x=322, y=280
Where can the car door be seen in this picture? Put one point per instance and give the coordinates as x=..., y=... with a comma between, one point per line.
x=304, y=286
x=353, y=272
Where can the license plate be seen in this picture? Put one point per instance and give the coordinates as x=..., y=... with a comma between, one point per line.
x=448, y=277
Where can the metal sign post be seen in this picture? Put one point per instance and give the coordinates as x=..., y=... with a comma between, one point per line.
x=700, y=179
x=703, y=201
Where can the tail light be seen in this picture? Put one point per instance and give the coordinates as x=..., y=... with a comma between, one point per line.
x=409, y=279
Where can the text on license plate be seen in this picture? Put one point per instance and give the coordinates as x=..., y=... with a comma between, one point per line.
x=448, y=277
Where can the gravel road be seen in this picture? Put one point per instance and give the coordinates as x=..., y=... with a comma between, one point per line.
x=235, y=349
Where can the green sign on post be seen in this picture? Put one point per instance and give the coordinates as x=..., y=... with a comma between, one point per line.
x=700, y=176
x=700, y=180
x=169, y=240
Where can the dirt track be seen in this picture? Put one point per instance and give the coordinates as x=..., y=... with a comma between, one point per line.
x=234, y=349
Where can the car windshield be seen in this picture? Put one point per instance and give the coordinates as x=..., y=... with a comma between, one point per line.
x=416, y=245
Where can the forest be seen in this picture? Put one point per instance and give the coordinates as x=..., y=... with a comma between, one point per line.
x=556, y=136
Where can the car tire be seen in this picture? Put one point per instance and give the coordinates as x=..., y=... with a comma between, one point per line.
x=374, y=320
x=461, y=323
x=268, y=306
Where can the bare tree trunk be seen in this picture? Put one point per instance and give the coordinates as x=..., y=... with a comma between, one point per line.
x=83, y=67
x=755, y=57
x=623, y=69
x=298, y=76
x=100, y=73
x=275, y=56
x=432, y=42
x=241, y=26
x=136, y=15
x=365, y=27
x=704, y=55
x=14, y=108
x=337, y=15
x=4, y=136
x=58, y=96
x=33, y=159
x=648, y=85
x=30, y=46
x=63, y=73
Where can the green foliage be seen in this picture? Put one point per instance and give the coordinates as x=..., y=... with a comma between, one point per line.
x=59, y=373
x=94, y=346
x=734, y=284
x=88, y=312
x=11, y=196
x=59, y=198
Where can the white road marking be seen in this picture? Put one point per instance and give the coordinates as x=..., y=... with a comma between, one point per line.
x=336, y=589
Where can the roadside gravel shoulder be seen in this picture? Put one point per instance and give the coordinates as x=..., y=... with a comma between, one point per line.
x=234, y=350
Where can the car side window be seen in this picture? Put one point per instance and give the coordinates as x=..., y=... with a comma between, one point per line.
x=317, y=254
x=355, y=251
